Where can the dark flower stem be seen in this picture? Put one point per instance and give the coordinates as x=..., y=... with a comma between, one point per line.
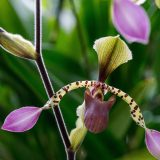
x=48, y=85
x=71, y=155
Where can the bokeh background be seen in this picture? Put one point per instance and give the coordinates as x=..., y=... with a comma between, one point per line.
x=69, y=31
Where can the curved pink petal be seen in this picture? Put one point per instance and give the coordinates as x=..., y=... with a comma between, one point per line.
x=131, y=21
x=22, y=119
x=153, y=142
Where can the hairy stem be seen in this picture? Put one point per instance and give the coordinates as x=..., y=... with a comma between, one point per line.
x=47, y=82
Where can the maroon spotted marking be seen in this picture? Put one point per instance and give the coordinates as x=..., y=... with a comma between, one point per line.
x=60, y=96
x=77, y=83
x=136, y=107
x=94, y=83
x=65, y=89
x=141, y=117
x=98, y=85
x=119, y=91
x=103, y=86
x=55, y=101
x=131, y=103
x=133, y=115
x=106, y=87
x=126, y=95
x=132, y=100
x=86, y=82
x=133, y=111
x=59, y=92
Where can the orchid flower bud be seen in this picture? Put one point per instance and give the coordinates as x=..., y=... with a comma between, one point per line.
x=131, y=21
x=17, y=45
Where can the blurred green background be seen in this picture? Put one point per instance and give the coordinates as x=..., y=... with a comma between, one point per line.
x=68, y=38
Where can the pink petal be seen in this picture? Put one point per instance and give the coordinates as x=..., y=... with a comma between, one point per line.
x=153, y=142
x=22, y=119
x=131, y=21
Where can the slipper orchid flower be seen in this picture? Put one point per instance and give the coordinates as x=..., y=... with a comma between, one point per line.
x=93, y=114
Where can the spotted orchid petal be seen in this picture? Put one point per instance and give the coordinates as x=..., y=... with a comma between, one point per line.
x=22, y=119
x=153, y=142
x=131, y=21
x=112, y=52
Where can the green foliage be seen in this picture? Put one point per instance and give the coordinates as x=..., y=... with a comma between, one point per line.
x=20, y=84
